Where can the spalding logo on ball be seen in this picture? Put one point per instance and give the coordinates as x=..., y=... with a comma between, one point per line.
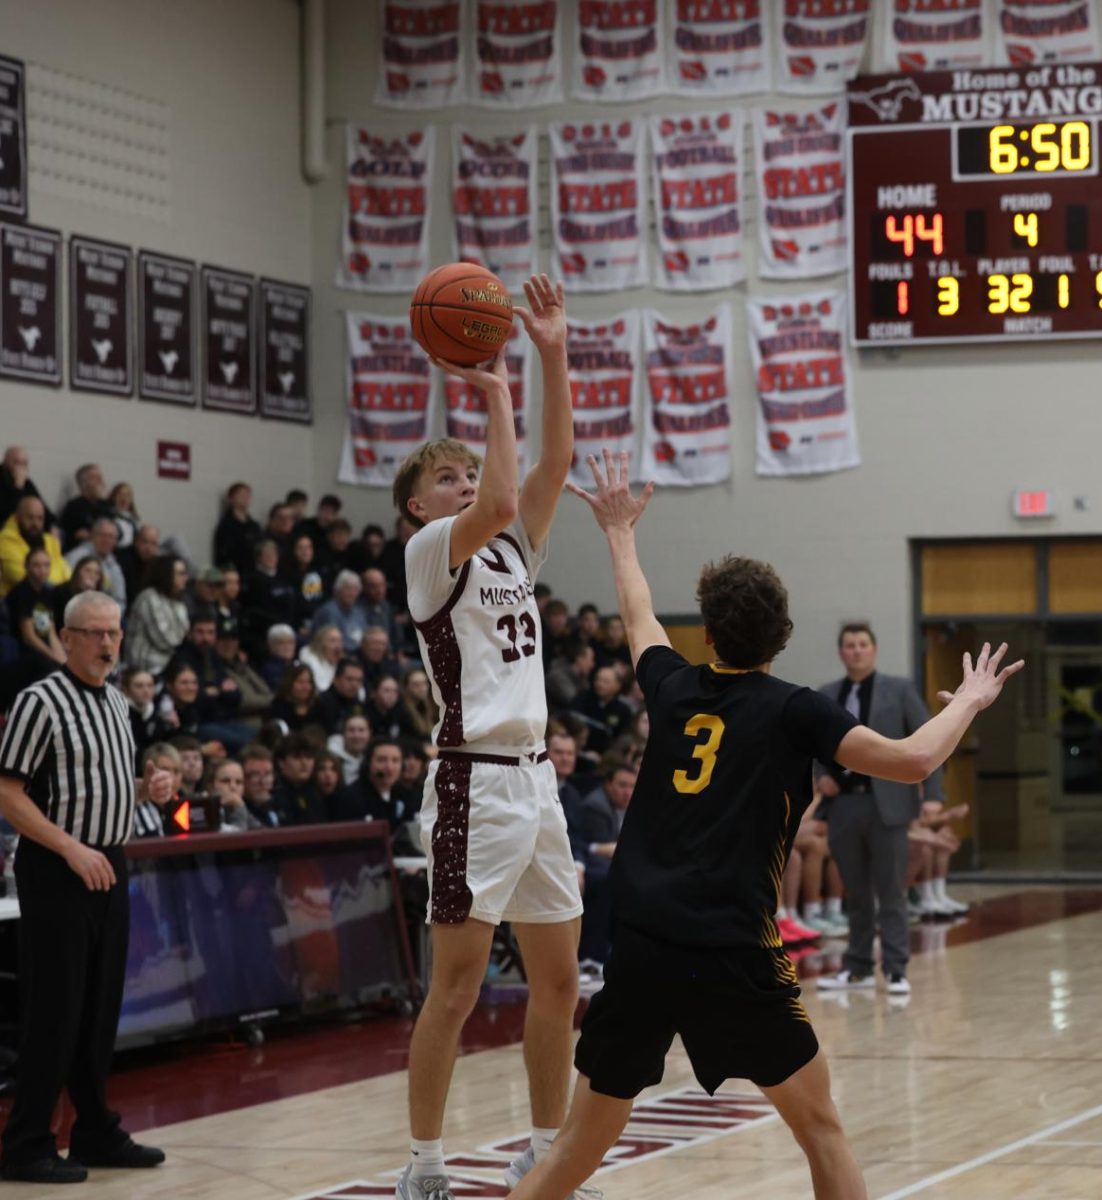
x=461, y=313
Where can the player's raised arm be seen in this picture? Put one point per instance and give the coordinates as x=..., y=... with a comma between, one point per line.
x=617, y=511
x=545, y=322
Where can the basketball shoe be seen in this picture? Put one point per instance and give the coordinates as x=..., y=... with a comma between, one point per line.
x=522, y=1164
x=845, y=981
x=793, y=931
x=434, y=1187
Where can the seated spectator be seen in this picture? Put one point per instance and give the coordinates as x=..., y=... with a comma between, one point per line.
x=631, y=744
x=386, y=712
x=375, y=605
x=378, y=794
x=227, y=598
x=31, y=609
x=332, y=555
x=602, y=817
x=315, y=527
x=563, y=753
x=137, y=558
x=368, y=551
x=16, y=483
x=25, y=530
x=556, y=633
x=587, y=624
x=206, y=702
x=158, y=619
x=237, y=532
x=148, y=814
x=938, y=842
x=140, y=690
x=613, y=649
x=419, y=704
x=601, y=706
x=568, y=677
x=344, y=611
x=258, y=767
x=349, y=745
x=343, y=698
x=295, y=797
x=102, y=542
x=87, y=576
x=304, y=577
x=297, y=501
x=178, y=703
x=415, y=767
x=227, y=782
x=269, y=598
x=10, y=646
x=326, y=649
x=256, y=695
x=376, y=656
x=296, y=700
x=281, y=654
x=542, y=594
x=204, y=591
x=280, y=528
x=120, y=508
x=90, y=502
x=394, y=562
x=328, y=778
x=193, y=768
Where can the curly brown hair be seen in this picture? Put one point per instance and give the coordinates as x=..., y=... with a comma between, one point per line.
x=745, y=609
x=425, y=458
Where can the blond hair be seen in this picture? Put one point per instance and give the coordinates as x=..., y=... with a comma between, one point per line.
x=427, y=457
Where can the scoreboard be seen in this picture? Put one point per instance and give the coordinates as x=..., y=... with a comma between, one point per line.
x=975, y=205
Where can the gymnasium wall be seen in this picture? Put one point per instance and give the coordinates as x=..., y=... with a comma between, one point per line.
x=215, y=87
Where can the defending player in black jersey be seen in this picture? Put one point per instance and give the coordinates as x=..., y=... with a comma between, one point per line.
x=697, y=873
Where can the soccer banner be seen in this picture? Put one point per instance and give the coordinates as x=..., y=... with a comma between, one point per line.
x=598, y=207
x=389, y=390
x=519, y=52
x=801, y=179
x=465, y=406
x=618, y=54
x=687, y=413
x=1046, y=31
x=385, y=231
x=718, y=47
x=421, y=60
x=602, y=361
x=495, y=203
x=920, y=36
x=697, y=163
x=821, y=45
x=805, y=399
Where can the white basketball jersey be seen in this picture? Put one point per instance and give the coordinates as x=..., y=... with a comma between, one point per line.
x=481, y=643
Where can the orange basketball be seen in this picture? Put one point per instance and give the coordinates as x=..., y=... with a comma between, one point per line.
x=461, y=313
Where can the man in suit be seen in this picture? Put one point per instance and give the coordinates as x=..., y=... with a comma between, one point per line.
x=602, y=816
x=867, y=818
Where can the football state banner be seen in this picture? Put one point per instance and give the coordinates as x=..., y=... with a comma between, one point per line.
x=519, y=53
x=718, y=47
x=686, y=402
x=421, y=59
x=1046, y=31
x=602, y=361
x=495, y=203
x=618, y=54
x=821, y=44
x=920, y=36
x=801, y=177
x=385, y=226
x=389, y=390
x=805, y=401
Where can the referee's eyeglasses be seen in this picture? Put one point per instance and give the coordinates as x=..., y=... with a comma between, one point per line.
x=112, y=635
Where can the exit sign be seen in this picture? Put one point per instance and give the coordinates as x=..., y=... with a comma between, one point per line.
x=1033, y=504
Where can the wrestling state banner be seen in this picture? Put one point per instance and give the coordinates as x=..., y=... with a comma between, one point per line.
x=421, y=59
x=602, y=361
x=805, y=404
x=718, y=47
x=920, y=36
x=518, y=53
x=1045, y=31
x=821, y=43
x=618, y=52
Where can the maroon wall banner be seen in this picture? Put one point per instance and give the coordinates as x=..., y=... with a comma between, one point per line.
x=518, y=48
x=173, y=460
x=284, y=351
x=30, y=303
x=935, y=35
x=229, y=341
x=166, y=328
x=421, y=59
x=13, y=138
x=100, y=327
x=821, y=44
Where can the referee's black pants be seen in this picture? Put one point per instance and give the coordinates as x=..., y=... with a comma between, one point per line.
x=72, y=966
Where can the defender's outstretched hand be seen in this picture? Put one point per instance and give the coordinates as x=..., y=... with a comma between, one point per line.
x=983, y=682
x=545, y=320
x=486, y=377
x=613, y=504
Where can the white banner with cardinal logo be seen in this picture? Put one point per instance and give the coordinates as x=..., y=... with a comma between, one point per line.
x=821, y=44
x=1046, y=31
x=718, y=47
x=519, y=53
x=920, y=36
x=618, y=54
x=602, y=361
x=421, y=58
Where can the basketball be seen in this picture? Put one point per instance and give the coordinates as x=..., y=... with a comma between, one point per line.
x=461, y=313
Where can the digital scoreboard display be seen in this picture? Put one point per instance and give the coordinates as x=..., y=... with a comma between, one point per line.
x=975, y=205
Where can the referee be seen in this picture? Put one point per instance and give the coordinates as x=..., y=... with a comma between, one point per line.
x=67, y=785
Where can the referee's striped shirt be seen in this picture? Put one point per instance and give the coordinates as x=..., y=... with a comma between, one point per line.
x=72, y=746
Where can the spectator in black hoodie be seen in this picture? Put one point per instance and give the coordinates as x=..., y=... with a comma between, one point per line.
x=378, y=795
x=237, y=533
x=303, y=575
x=295, y=796
x=344, y=698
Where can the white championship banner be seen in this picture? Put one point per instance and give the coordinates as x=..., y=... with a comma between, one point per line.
x=495, y=203
x=390, y=384
x=801, y=177
x=1046, y=31
x=718, y=47
x=697, y=162
x=518, y=53
x=385, y=230
x=602, y=361
x=805, y=402
x=920, y=36
x=598, y=205
x=465, y=406
x=821, y=44
x=686, y=401
x=618, y=52
x=421, y=58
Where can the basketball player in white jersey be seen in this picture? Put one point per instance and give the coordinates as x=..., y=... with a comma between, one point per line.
x=492, y=825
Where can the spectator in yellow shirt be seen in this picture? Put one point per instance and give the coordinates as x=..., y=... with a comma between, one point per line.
x=24, y=531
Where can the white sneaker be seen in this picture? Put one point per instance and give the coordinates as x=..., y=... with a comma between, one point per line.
x=956, y=907
x=844, y=980
x=523, y=1163
x=937, y=906
x=898, y=985
x=433, y=1187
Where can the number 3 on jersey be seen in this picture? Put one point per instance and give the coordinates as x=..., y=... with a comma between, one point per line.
x=705, y=751
x=528, y=628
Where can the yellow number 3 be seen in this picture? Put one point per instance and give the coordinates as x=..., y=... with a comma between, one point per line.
x=705, y=751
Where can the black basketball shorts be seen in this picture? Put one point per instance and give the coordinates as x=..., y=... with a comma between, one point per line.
x=738, y=1014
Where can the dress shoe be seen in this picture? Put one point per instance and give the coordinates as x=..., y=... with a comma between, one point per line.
x=126, y=1154
x=44, y=1170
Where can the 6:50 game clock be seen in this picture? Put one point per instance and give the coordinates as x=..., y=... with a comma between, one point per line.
x=975, y=205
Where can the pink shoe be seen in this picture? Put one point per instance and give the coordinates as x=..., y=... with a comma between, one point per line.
x=792, y=931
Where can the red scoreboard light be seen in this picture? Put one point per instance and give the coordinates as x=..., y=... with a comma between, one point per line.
x=975, y=205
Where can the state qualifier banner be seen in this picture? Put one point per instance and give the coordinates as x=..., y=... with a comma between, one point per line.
x=30, y=304
x=285, y=351
x=421, y=59
x=801, y=178
x=385, y=230
x=465, y=406
x=390, y=384
x=618, y=54
x=229, y=341
x=922, y=36
x=518, y=48
x=100, y=327
x=822, y=44
x=1046, y=31
x=495, y=202
x=718, y=47
x=598, y=212
x=687, y=411
x=13, y=138
x=602, y=361
x=805, y=405
x=697, y=162
x=166, y=325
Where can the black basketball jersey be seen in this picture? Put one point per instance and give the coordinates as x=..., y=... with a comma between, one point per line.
x=725, y=778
